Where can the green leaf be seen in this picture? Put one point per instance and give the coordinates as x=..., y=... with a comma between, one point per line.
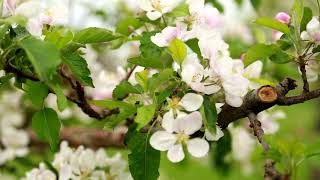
x=46, y=125
x=217, y=5
x=116, y=119
x=142, y=79
x=94, y=35
x=193, y=45
x=3, y=30
x=273, y=24
x=36, y=93
x=144, y=161
x=79, y=67
x=111, y=104
x=179, y=11
x=158, y=79
x=259, y=51
x=221, y=149
x=6, y=78
x=256, y=4
x=125, y=88
x=281, y=57
x=307, y=16
x=297, y=15
x=210, y=113
x=178, y=50
x=124, y=24
x=44, y=57
x=17, y=19
x=62, y=101
x=147, y=48
x=154, y=62
x=145, y=115
x=59, y=37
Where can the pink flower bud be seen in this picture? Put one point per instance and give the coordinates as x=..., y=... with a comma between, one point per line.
x=283, y=17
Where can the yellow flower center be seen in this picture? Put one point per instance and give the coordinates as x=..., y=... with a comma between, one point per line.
x=156, y=5
x=182, y=138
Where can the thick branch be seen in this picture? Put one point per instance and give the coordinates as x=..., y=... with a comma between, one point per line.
x=94, y=138
x=254, y=102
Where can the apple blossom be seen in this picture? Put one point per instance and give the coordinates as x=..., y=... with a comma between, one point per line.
x=193, y=73
x=312, y=32
x=40, y=173
x=169, y=33
x=156, y=8
x=172, y=140
x=283, y=18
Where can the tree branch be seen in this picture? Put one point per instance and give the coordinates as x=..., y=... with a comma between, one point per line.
x=302, y=67
x=255, y=124
x=93, y=138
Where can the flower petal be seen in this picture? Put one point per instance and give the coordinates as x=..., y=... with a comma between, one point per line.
x=162, y=140
x=189, y=124
x=191, y=102
x=253, y=70
x=175, y=153
x=198, y=147
x=153, y=15
x=168, y=121
x=214, y=137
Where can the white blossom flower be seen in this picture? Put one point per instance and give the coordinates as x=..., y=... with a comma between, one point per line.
x=40, y=173
x=156, y=8
x=169, y=33
x=189, y=102
x=312, y=32
x=202, y=14
x=269, y=121
x=193, y=73
x=172, y=140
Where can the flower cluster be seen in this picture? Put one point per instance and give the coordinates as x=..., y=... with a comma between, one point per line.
x=211, y=72
x=13, y=139
x=82, y=163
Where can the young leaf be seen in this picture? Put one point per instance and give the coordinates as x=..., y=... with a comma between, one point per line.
x=210, y=113
x=297, y=15
x=193, y=45
x=145, y=115
x=94, y=35
x=273, y=24
x=158, y=79
x=44, y=57
x=144, y=161
x=62, y=101
x=147, y=48
x=154, y=62
x=281, y=57
x=181, y=10
x=36, y=92
x=124, y=24
x=178, y=50
x=307, y=16
x=114, y=120
x=46, y=125
x=142, y=79
x=111, y=104
x=78, y=66
x=59, y=37
x=259, y=51
x=125, y=88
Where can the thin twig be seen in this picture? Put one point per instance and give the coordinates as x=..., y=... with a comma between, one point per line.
x=255, y=124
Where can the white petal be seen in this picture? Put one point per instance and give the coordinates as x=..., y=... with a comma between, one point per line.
x=154, y=15
x=211, y=89
x=234, y=101
x=253, y=70
x=164, y=38
x=313, y=26
x=168, y=121
x=34, y=27
x=214, y=137
x=305, y=36
x=196, y=6
x=145, y=5
x=162, y=140
x=198, y=147
x=189, y=124
x=191, y=102
x=175, y=153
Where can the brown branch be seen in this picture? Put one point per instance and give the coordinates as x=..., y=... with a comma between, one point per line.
x=93, y=138
x=271, y=173
x=254, y=102
x=255, y=124
x=302, y=67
